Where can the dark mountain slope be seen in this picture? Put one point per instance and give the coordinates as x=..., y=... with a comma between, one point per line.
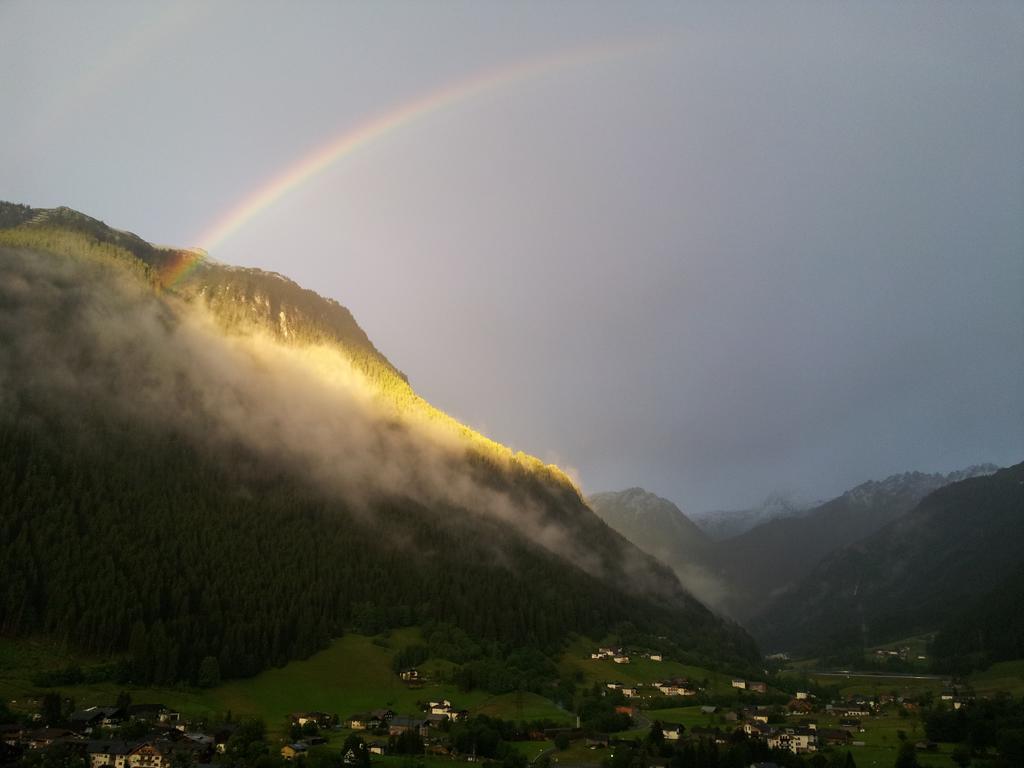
x=769, y=559
x=210, y=469
x=986, y=630
x=958, y=544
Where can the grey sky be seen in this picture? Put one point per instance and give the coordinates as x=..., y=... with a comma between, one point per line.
x=783, y=249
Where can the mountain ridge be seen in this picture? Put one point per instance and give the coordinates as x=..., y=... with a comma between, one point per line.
x=207, y=405
x=909, y=576
x=657, y=526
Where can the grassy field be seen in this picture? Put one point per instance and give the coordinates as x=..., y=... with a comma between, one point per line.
x=870, y=685
x=918, y=646
x=579, y=754
x=642, y=671
x=352, y=675
x=688, y=716
x=532, y=749
x=1005, y=676
x=19, y=659
x=524, y=706
x=882, y=742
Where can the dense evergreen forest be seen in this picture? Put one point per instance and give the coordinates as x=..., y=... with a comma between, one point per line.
x=126, y=528
x=988, y=630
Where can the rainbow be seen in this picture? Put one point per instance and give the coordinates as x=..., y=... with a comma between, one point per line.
x=375, y=128
x=180, y=262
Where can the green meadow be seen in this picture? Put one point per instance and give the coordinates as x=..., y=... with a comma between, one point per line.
x=352, y=675
x=638, y=671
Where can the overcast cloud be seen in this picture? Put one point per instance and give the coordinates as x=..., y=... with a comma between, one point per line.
x=782, y=249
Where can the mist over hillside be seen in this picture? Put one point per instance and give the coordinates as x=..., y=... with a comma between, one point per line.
x=660, y=528
x=150, y=418
x=745, y=574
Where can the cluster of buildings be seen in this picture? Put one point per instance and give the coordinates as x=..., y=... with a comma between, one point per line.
x=621, y=656
x=675, y=686
x=755, y=686
x=87, y=732
x=902, y=653
x=382, y=724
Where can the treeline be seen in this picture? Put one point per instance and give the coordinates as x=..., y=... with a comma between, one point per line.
x=989, y=728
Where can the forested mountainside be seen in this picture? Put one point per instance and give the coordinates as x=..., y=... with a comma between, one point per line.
x=986, y=630
x=957, y=545
x=225, y=466
x=660, y=528
x=772, y=558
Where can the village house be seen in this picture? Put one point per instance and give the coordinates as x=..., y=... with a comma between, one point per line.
x=294, y=751
x=672, y=731
x=676, y=687
x=93, y=717
x=752, y=729
x=203, y=740
x=757, y=714
x=10, y=734
x=621, y=659
x=630, y=693
x=443, y=707
x=359, y=722
x=44, y=737
x=796, y=706
x=409, y=674
x=835, y=737
x=655, y=657
x=757, y=687
x=401, y=724
x=319, y=719
x=147, y=756
x=797, y=740
x=222, y=735
x=436, y=721
x=108, y=753
x=376, y=747
x=146, y=713
x=741, y=684
x=849, y=711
